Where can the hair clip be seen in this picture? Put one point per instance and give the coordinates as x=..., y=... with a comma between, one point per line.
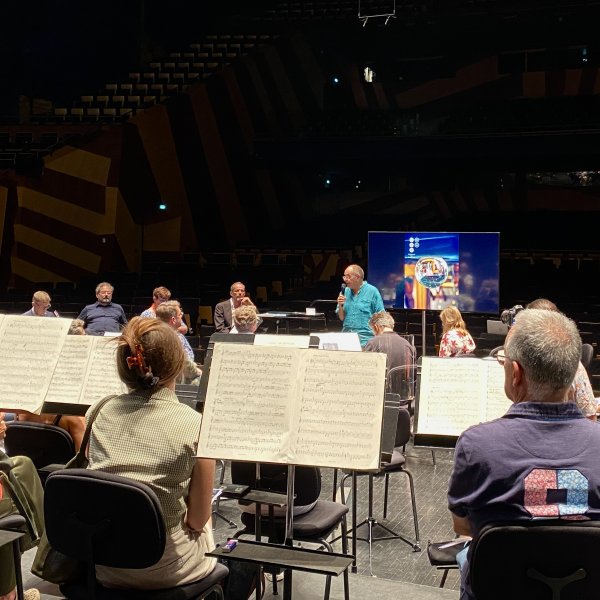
x=137, y=360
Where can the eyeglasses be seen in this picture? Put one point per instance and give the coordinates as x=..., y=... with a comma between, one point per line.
x=501, y=357
x=347, y=275
x=43, y=304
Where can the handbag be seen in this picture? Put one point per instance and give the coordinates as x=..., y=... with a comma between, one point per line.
x=49, y=564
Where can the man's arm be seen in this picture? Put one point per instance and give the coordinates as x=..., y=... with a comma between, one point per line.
x=83, y=315
x=219, y=319
x=122, y=317
x=462, y=525
x=377, y=303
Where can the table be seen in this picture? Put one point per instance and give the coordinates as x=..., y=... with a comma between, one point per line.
x=286, y=316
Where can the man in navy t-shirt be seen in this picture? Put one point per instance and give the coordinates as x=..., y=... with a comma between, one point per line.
x=104, y=315
x=540, y=460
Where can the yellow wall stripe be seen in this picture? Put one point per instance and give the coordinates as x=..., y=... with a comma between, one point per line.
x=79, y=163
x=54, y=247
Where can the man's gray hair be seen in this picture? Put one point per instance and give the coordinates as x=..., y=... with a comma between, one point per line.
x=357, y=270
x=381, y=319
x=104, y=284
x=548, y=346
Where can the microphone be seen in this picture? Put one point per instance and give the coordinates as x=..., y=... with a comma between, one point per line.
x=342, y=289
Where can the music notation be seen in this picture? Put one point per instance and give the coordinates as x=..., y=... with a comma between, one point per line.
x=298, y=406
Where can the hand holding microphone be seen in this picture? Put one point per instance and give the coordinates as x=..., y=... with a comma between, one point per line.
x=341, y=297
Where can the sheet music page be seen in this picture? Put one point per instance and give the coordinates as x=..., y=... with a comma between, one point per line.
x=496, y=402
x=29, y=351
x=68, y=377
x=102, y=377
x=249, y=397
x=86, y=371
x=473, y=390
x=451, y=395
x=340, y=410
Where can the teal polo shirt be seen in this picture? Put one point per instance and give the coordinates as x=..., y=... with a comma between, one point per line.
x=359, y=308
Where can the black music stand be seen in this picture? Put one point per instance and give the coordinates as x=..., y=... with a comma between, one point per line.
x=234, y=446
x=388, y=435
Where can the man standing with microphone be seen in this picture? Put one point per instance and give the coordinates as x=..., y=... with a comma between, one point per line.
x=357, y=302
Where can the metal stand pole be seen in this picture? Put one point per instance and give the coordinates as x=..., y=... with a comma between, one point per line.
x=289, y=530
x=424, y=332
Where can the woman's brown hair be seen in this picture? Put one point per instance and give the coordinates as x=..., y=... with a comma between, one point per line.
x=149, y=354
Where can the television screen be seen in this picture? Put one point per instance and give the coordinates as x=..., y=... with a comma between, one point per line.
x=432, y=270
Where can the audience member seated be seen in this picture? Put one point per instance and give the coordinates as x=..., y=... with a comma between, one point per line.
x=223, y=316
x=149, y=436
x=40, y=305
x=581, y=389
x=103, y=315
x=170, y=313
x=22, y=471
x=245, y=320
x=456, y=340
x=541, y=458
x=398, y=350
x=159, y=295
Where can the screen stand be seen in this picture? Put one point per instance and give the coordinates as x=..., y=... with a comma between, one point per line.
x=424, y=332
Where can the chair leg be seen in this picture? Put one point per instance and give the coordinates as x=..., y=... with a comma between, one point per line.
x=221, y=480
x=345, y=551
x=385, y=495
x=444, y=576
x=414, y=503
x=334, y=491
x=342, y=482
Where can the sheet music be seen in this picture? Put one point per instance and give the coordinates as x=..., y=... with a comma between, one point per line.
x=29, y=351
x=294, y=406
x=340, y=409
x=248, y=399
x=40, y=363
x=456, y=393
x=101, y=377
x=68, y=376
x=86, y=371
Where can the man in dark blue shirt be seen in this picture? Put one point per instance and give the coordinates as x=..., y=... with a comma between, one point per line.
x=104, y=315
x=540, y=460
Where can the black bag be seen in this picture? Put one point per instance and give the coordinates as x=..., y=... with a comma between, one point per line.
x=49, y=564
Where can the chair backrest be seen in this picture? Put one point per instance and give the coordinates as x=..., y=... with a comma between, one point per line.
x=403, y=428
x=307, y=480
x=103, y=519
x=536, y=559
x=402, y=380
x=43, y=444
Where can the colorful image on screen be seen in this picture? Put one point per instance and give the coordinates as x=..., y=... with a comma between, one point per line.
x=432, y=270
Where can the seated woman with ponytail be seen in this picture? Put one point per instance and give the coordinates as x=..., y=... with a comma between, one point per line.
x=149, y=436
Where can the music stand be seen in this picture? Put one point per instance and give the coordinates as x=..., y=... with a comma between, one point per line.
x=390, y=422
x=303, y=378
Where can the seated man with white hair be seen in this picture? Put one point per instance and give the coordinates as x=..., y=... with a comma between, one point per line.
x=540, y=460
x=245, y=319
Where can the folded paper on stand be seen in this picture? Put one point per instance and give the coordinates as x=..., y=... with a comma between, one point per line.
x=294, y=406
